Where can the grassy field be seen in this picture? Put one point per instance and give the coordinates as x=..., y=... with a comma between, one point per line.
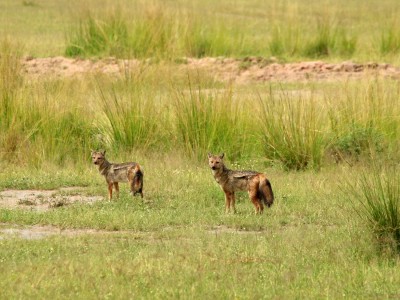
x=329, y=148
x=178, y=243
x=289, y=30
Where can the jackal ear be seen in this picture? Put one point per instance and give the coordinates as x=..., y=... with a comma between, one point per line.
x=209, y=154
x=92, y=151
x=222, y=155
x=103, y=152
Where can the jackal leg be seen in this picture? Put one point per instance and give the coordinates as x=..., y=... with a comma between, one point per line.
x=110, y=187
x=229, y=201
x=116, y=188
x=259, y=207
x=233, y=203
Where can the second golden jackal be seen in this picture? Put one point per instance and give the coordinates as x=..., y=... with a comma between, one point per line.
x=255, y=183
x=124, y=172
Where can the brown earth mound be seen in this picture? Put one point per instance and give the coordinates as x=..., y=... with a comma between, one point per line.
x=251, y=69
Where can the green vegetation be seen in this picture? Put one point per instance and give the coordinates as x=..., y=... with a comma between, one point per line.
x=378, y=193
x=157, y=33
x=162, y=32
x=292, y=131
x=210, y=120
x=94, y=37
x=131, y=116
x=333, y=231
x=299, y=127
x=328, y=40
x=289, y=30
x=178, y=242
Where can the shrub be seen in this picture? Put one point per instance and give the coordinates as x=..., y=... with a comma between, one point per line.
x=357, y=141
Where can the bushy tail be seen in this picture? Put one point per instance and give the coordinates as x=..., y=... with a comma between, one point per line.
x=135, y=176
x=265, y=190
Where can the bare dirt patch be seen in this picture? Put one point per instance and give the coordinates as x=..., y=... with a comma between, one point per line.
x=220, y=229
x=42, y=200
x=251, y=69
x=40, y=232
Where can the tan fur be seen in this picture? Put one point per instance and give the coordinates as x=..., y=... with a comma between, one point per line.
x=130, y=172
x=255, y=183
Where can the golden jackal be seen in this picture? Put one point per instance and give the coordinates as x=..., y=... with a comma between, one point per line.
x=257, y=184
x=125, y=172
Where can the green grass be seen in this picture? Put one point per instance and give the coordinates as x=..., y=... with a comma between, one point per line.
x=390, y=40
x=374, y=128
x=334, y=30
x=157, y=109
x=209, y=121
x=131, y=116
x=179, y=243
x=378, y=193
x=319, y=239
x=292, y=130
x=11, y=80
x=95, y=37
x=325, y=39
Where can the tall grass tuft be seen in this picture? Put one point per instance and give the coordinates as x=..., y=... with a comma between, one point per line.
x=38, y=122
x=390, y=40
x=211, y=37
x=284, y=41
x=155, y=33
x=130, y=118
x=209, y=120
x=96, y=37
x=10, y=81
x=378, y=193
x=358, y=132
x=52, y=128
x=322, y=42
x=345, y=44
x=328, y=39
x=291, y=129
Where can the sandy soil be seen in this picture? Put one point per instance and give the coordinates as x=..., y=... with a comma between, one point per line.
x=42, y=200
x=252, y=69
x=39, y=201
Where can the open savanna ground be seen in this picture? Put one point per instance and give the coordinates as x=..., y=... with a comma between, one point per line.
x=185, y=79
x=178, y=243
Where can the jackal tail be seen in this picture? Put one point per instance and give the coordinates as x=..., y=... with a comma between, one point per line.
x=265, y=190
x=135, y=176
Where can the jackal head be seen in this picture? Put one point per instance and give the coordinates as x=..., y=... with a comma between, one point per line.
x=215, y=161
x=98, y=157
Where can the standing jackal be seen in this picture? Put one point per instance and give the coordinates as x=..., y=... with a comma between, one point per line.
x=255, y=183
x=113, y=173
